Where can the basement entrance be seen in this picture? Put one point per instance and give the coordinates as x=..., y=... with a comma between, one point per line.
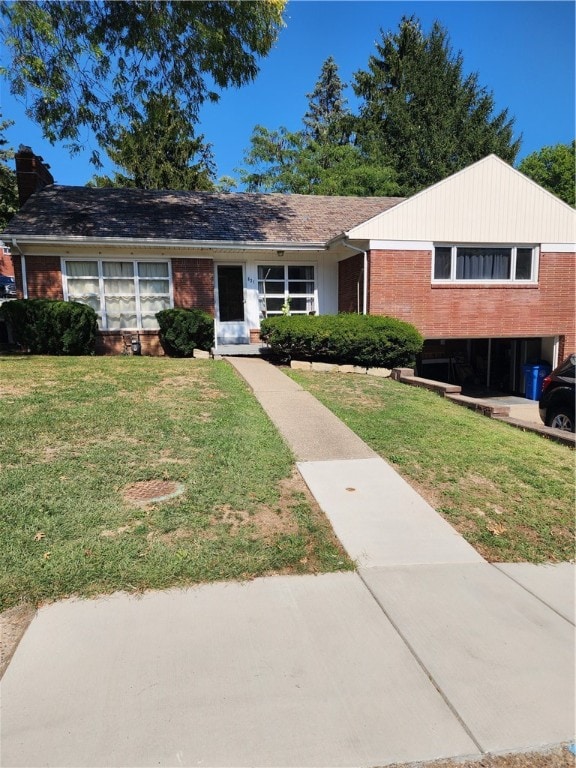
x=484, y=366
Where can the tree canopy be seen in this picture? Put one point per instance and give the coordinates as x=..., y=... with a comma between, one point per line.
x=420, y=119
x=158, y=152
x=86, y=64
x=320, y=158
x=554, y=169
x=8, y=187
x=422, y=114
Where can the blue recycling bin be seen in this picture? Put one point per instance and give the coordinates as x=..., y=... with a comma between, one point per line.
x=534, y=375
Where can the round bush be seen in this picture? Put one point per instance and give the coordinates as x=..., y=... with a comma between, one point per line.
x=183, y=330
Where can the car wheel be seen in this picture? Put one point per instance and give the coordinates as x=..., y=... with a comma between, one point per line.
x=561, y=418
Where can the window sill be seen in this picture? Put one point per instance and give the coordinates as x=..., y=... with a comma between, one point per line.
x=485, y=284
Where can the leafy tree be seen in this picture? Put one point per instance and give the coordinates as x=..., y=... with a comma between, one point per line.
x=554, y=169
x=158, y=152
x=8, y=188
x=333, y=169
x=319, y=159
x=94, y=64
x=422, y=114
x=287, y=162
x=273, y=159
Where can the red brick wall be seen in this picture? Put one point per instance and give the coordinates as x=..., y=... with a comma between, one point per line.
x=32, y=174
x=193, y=281
x=193, y=285
x=113, y=343
x=349, y=274
x=6, y=266
x=400, y=286
x=43, y=277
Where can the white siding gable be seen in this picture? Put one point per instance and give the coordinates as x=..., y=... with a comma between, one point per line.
x=488, y=202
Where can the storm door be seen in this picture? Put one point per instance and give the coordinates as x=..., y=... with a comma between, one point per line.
x=231, y=326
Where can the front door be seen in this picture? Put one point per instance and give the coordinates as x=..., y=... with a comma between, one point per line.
x=231, y=326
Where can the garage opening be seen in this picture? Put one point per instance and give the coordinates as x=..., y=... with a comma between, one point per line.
x=485, y=367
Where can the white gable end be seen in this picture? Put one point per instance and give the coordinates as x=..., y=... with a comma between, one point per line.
x=488, y=202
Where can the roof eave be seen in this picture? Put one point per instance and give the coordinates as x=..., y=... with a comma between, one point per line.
x=344, y=236
x=244, y=245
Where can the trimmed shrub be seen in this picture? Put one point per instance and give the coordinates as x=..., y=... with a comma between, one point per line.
x=183, y=330
x=45, y=327
x=345, y=339
x=21, y=318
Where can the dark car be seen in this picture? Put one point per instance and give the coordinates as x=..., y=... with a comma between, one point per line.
x=7, y=287
x=558, y=396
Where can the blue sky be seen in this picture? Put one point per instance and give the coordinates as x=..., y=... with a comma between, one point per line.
x=524, y=53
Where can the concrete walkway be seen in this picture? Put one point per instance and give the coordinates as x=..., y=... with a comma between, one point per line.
x=427, y=651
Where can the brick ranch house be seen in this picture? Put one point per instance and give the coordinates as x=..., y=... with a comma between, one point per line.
x=482, y=263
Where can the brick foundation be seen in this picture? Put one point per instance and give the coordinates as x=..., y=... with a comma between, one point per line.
x=118, y=343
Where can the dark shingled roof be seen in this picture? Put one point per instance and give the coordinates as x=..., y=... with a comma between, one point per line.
x=59, y=211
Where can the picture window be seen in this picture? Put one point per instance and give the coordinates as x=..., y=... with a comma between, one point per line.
x=478, y=264
x=124, y=294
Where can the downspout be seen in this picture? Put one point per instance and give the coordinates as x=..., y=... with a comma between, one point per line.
x=364, y=273
x=22, y=268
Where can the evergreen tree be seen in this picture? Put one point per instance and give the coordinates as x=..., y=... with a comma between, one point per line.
x=421, y=114
x=554, y=169
x=327, y=120
x=158, y=151
x=319, y=159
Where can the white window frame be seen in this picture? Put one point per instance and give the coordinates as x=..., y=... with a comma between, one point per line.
x=102, y=315
x=532, y=280
x=285, y=294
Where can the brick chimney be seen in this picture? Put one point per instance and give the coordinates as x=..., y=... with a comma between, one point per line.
x=32, y=173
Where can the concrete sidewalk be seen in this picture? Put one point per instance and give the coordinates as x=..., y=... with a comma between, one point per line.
x=426, y=652
x=483, y=634
x=310, y=429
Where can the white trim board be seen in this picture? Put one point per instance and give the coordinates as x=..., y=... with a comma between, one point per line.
x=400, y=245
x=558, y=248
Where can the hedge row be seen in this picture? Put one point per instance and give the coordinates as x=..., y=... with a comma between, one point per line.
x=344, y=339
x=45, y=327
x=69, y=328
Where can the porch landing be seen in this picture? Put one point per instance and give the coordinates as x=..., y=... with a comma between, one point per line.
x=240, y=350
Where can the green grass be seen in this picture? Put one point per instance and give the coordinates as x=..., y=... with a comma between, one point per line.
x=510, y=493
x=76, y=432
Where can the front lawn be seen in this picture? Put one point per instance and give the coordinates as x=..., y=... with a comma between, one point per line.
x=79, y=434
x=510, y=493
